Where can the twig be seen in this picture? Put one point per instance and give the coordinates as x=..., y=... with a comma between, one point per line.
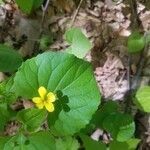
x=44, y=8
x=129, y=72
x=136, y=80
x=76, y=13
x=128, y=94
x=135, y=21
x=135, y=24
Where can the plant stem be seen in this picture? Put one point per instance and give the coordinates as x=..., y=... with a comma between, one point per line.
x=135, y=21
x=129, y=92
x=44, y=8
x=76, y=13
x=135, y=24
x=43, y=15
x=136, y=80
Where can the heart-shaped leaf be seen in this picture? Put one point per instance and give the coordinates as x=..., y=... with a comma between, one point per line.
x=136, y=42
x=27, y=6
x=36, y=141
x=107, y=109
x=10, y=60
x=67, y=143
x=79, y=43
x=90, y=144
x=32, y=118
x=130, y=144
x=121, y=126
x=6, y=114
x=142, y=100
x=66, y=73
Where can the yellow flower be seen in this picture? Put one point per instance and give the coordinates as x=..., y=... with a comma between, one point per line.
x=45, y=99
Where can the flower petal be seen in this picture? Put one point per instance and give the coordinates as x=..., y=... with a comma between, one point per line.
x=51, y=97
x=49, y=106
x=42, y=92
x=37, y=100
x=40, y=105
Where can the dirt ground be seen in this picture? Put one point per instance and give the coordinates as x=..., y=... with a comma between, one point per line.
x=106, y=23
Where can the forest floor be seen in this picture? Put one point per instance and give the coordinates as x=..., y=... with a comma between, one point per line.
x=105, y=23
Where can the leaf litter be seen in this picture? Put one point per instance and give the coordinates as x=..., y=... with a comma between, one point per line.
x=102, y=22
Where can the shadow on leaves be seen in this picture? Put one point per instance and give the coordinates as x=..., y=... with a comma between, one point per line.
x=60, y=104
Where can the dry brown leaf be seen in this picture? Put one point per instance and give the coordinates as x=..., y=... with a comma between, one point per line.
x=110, y=78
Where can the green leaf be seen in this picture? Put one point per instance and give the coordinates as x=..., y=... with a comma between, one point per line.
x=67, y=143
x=16, y=142
x=136, y=42
x=36, y=141
x=120, y=126
x=10, y=60
x=91, y=144
x=80, y=44
x=58, y=71
x=147, y=37
x=43, y=140
x=97, y=120
x=3, y=141
x=1, y=2
x=131, y=144
x=32, y=118
x=5, y=115
x=28, y=6
x=107, y=109
x=142, y=100
x=45, y=42
x=5, y=93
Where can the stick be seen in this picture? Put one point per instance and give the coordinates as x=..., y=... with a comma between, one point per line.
x=129, y=92
x=44, y=8
x=135, y=25
x=76, y=13
x=136, y=80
